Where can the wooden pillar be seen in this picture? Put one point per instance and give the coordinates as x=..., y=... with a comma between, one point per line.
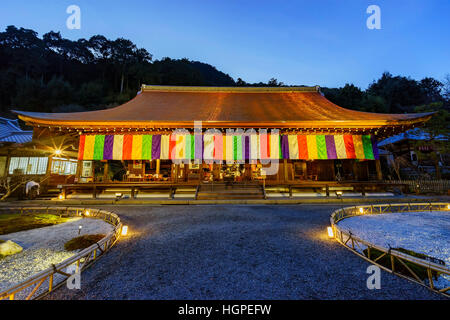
x=183, y=170
x=304, y=169
x=285, y=170
x=355, y=170
x=105, y=171
x=174, y=172
x=378, y=168
x=8, y=162
x=78, y=173
x=158, y=166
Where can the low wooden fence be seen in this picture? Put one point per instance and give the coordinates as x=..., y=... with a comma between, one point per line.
x=49, y=279
x=424, y=186
x=366, y=249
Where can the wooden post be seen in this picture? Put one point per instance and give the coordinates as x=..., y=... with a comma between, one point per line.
x=355, y=170
x=304, y=170
x=285, y=170
x=158, y=166
x=105, y=171
x=378, y=168
x=7, y=162
x=78, y=173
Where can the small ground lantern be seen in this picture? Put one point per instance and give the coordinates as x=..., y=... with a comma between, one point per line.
x=330, y=232
x=124, y=230
x=361, y=210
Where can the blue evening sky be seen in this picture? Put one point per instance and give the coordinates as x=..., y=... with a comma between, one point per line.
x=322, y=43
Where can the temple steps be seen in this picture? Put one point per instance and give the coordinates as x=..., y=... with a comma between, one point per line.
x=229, y=191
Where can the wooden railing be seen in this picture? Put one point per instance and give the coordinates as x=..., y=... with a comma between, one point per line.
x=397, y=258
x=424, y=186
x=47, y=280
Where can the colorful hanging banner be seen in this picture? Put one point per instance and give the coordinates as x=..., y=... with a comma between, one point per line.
x=227, y=148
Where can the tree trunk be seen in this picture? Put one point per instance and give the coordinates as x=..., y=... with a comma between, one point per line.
x=436, y=165
x=121, y=83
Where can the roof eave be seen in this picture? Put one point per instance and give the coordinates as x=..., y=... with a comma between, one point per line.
x=77, y=124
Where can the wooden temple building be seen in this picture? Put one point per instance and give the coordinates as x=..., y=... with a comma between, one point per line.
x=194, y=136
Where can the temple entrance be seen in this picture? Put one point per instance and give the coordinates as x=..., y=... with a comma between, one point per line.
x=231, y=172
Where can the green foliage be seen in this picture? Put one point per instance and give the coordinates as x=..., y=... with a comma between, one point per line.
x=438, y=130
x=10, y=223
x=82, y=242
x=385, y=261
x=391, y=94
x=49, y=73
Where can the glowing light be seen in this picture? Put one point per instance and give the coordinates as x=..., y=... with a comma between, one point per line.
x=124, y=230
x=58, y=152
x=330, y=232
x=79, y=229
x=87, y=213
x=61, y=197
x=361, y=210
x=448, y=206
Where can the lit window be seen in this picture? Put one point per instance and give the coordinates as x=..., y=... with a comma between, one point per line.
x=63, y=166
x=28, y=165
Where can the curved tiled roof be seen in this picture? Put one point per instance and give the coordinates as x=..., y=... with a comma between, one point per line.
x=10, y=131
x=223, y=106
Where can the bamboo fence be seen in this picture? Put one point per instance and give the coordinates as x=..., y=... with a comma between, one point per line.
x=397, y=258
x=424, y=186
x=47, y=280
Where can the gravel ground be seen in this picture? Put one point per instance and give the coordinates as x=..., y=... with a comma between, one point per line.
x=43, y=247
x=426, y=232
x=403, y=229
x=232, y=252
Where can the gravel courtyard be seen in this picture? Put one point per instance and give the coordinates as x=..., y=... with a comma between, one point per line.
x=232, y=252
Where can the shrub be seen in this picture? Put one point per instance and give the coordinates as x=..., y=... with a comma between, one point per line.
x=82, y=242
x=385, y=261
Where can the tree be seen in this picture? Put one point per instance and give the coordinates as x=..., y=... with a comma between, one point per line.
x=274, y=83
x=446, y=88
x=400, y=93
x=431, y=89
x=43, y=74
x=438, y=132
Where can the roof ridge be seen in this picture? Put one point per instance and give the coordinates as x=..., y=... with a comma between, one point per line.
x=228, y=89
